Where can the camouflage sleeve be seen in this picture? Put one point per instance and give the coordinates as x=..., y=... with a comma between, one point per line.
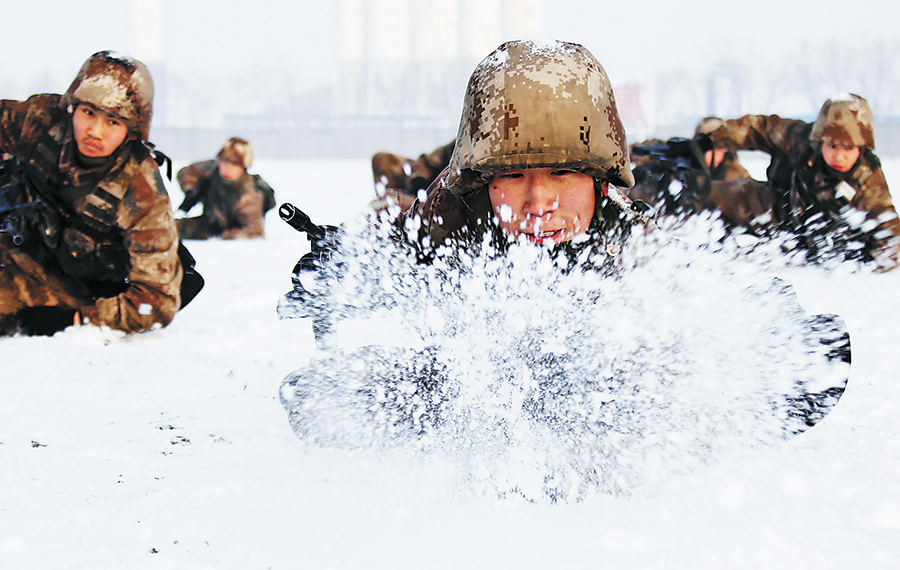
x=19, y=120
x=438, y=159
x=10, y=123
x=768, y=133
x=153, y=295
x=248, y=211
x=191, y=174
x=731, y=168
x=874, y=198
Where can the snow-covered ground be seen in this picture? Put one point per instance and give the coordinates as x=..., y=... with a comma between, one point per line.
x=171, y=449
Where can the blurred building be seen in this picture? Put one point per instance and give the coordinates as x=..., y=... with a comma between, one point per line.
x=147, y=35
x=409, y=60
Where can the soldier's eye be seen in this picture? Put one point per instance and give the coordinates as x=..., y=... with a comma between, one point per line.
x=563, y=172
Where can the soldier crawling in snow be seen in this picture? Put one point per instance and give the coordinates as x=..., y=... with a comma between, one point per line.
x=97, y=239
x=515, y=176
x=535, y=171
x=825, y=185
x=234, y=201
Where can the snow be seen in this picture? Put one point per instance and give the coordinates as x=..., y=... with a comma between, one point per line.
x=171, y=449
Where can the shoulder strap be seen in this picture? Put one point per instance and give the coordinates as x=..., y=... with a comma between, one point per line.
x=158, y=157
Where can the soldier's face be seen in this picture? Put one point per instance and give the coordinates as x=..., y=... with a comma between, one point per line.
x=839, y=157
x=97, y=133
x=543, y=205
x=715, y=157
x=230, y=170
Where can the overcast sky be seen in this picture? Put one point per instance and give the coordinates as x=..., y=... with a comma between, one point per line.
x=45, y=41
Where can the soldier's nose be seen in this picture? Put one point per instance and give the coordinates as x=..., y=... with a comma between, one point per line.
x=541, y=197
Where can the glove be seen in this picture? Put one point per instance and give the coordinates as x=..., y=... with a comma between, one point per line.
x=44, y=321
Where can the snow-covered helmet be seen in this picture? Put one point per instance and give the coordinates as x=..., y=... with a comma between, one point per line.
x=537, y=105
x=847, y=120
x=117, y=84
x=237, y=151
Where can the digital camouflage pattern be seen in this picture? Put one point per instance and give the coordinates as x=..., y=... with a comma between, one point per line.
x=118, y=85
x=104, y=242
x=811, y=199
x=534, y=105
x=232, y=209
x=845, y=120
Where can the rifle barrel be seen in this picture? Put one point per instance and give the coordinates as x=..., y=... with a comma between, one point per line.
x=298, y=220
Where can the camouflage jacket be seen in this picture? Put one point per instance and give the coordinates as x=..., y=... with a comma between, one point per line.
x=234, y=209
x=463, y=220
x=392, y=171
x=107, y=230
x=805, y=188
x=729, y=169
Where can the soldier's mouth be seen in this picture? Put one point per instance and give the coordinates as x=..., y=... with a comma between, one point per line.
x=91, y=146
x=543, y=236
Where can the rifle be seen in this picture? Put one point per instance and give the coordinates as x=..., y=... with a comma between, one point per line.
x=678, y=159
x=300, y=302
x=678, y=152
x=10, y=181
x=194, y=195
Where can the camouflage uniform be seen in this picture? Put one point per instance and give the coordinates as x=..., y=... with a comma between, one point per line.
x=527, y=105
x=232, y=209
x=399, y=179
x=103, y=241
x=730, y=168
x=726, y=187
x=811, y=199
x=517, y=100
x=740, y=200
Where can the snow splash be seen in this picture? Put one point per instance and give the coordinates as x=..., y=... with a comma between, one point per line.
x=550, y=384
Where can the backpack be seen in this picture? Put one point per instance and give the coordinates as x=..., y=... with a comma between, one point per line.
x=267, y=192
x=192, y=282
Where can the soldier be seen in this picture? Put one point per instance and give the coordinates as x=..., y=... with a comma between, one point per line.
x=540, y=151
x=538, y=159
x=399, y=179
x=101, y=246
x=821, y=176
x=516, y=174
x=234, y=201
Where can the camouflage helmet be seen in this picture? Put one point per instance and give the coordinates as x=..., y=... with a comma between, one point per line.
x=538, y=105
x=236, y=151
x=708, y=125
x=117, y=84
x=846, y=120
